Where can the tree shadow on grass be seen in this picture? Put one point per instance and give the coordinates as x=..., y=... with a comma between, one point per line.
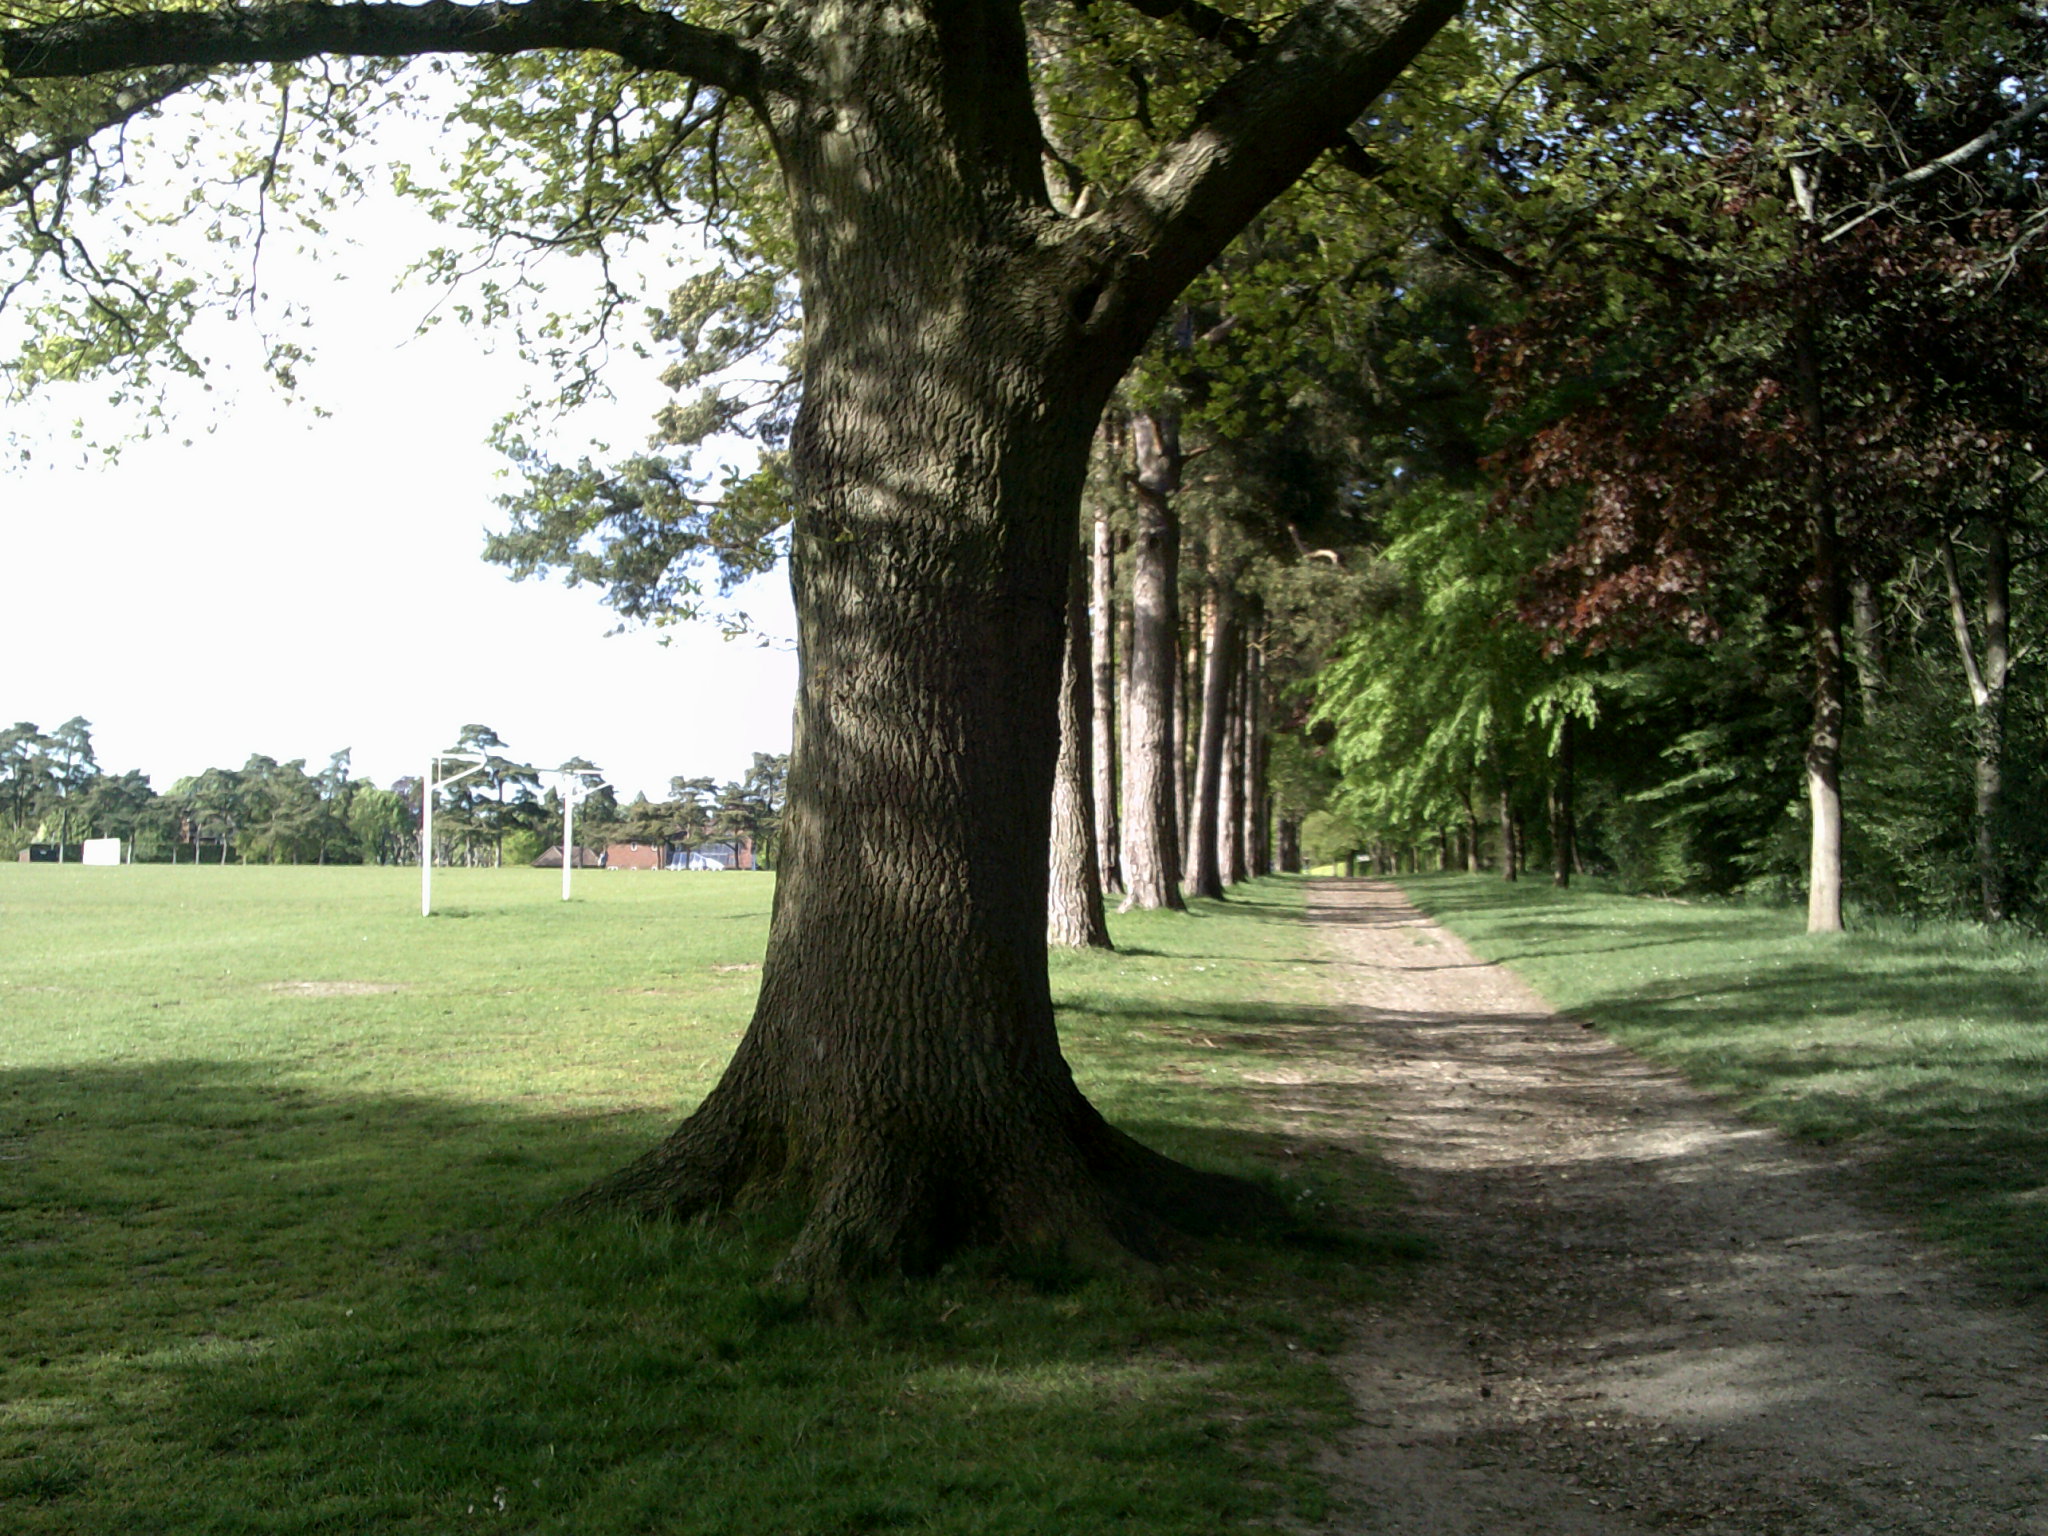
x=237, y=1303
x=1939, y=1067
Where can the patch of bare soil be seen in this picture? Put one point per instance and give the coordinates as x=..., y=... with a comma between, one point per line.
x=1644, y=1316
x=334, y=988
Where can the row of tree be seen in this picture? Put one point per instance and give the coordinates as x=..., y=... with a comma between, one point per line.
x=1715, y=565
x=53, y=790
x=1649, y=445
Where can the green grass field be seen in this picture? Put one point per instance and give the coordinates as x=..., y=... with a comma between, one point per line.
x=1924, y=1048
x=274, y=1155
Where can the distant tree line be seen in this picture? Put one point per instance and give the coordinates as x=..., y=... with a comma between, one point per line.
x=54, y=790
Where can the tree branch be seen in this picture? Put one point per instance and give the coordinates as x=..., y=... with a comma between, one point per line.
x=1959, y=620
x=18, y=167
x=273, y=34
x=1236, y=38
x=1242, y=42
x=1251, y=140
x=1990, y=139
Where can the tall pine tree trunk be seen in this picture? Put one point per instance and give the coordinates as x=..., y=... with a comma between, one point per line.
x=1231, y=796
x=1151, y=827
x=1102, y=674
x=1073, y=913
x=1205, y=875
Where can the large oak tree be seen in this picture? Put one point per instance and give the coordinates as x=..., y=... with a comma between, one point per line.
x=962, y=329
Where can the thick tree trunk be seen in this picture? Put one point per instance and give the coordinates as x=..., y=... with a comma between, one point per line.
x=1073, y=911
x=1151, y=828
x=1290, y=845
x=902, y=1072
x=1102, y=673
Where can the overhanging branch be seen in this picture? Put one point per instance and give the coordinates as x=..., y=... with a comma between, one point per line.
x=2002, y=132
x=1254, y=137
x=275, y=34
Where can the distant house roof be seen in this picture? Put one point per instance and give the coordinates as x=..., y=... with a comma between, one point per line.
x=586, y=858
x=635, y=856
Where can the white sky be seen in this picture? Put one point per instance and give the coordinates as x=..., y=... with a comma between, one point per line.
x=292, y=585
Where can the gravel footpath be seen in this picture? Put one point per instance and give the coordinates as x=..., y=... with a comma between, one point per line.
x=1644, y=1316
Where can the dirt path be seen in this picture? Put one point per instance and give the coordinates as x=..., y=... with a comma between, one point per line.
x=1646, y=1317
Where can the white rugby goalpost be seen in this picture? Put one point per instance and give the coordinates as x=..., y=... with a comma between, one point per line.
x=436, y=779
x=578, y=785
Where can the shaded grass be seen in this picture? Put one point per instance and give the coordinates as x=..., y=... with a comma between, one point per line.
x=271, y=1150
x=1924, y=1047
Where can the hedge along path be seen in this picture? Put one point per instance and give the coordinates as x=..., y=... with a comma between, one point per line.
x=1644, y=1315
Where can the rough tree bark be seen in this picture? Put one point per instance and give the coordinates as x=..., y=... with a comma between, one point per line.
x=1073, y=910
x=1151, y=827
x=902, y=1074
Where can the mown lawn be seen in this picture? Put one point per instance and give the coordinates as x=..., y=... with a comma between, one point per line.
x=275, y=1154
x=1924, y=1047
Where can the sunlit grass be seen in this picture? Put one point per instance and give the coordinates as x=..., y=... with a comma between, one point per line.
x=274, y=1154
x=1925, y=1046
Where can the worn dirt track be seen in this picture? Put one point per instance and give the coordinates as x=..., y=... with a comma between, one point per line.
x=1644, y=1315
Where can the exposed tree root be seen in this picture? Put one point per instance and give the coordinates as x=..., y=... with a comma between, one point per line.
x=1079, y=1191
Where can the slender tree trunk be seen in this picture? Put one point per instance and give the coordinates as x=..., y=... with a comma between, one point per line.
x=1825, y=603
x=1102, y=636
x=1186, y=690
x=1986, y=675
x=1124, y=626
x=1230, y=794
x=1186, y=725
x=1151, y=827
x=1868, y=629
x=1073, y=914
x=1510, y=855
x=1251, y=749
x=1472, y=855
x=1205, y=876
x=1564, y=832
